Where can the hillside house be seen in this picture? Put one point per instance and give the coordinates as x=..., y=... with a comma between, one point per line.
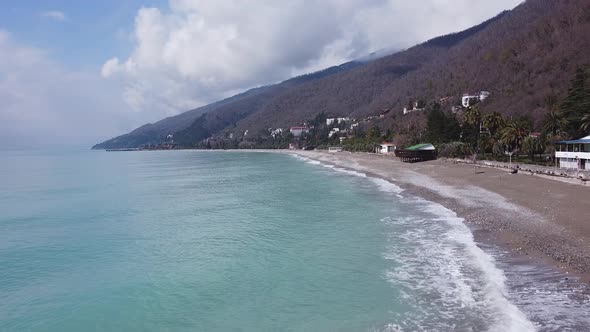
x=275, y=132
x=416, y=108
x=333, y=132
x=332, y=121
x=469, y=100
x=298, y=131
x=573, y=154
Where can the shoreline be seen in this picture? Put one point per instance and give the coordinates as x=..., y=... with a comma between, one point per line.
x=542, y=253
x=489, y=210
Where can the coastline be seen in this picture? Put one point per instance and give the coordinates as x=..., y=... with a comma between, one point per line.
x=535, y=228
x=533, y=216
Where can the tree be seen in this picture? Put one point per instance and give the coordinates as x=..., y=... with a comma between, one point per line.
x=473, y=116
x=440, y=127
x=555, y=122
x=494, y=122
x=512, y=136
x=577, y=102
x=374, y=133
x=472, y=124
x=532, y=146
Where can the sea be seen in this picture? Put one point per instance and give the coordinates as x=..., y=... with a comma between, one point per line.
x=246, y=241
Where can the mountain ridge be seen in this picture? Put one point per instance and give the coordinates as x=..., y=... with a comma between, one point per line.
x=500, y=55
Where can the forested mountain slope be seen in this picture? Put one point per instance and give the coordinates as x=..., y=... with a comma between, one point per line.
x=525, y=57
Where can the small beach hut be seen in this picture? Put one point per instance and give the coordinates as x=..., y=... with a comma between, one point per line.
x=385, y=148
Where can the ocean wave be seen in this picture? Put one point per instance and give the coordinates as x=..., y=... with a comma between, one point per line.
x=451, y=283
x=437, y=258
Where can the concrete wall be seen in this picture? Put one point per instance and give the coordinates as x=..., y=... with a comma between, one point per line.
x=535, y=169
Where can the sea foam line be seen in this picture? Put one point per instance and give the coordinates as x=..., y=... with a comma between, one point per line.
x=511, y=318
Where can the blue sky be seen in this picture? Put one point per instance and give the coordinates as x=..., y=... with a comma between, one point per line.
x=73, y=73
x=91, y=32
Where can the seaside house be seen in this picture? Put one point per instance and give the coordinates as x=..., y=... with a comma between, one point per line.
x=385, y=148
x=334, y=149
x=573, y=154
x=298, y=131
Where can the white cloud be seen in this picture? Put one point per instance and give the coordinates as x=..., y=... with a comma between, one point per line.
x=45, y=104
x=197, y=51
x=55, y=15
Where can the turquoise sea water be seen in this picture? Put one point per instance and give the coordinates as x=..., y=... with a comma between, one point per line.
x=232, y=241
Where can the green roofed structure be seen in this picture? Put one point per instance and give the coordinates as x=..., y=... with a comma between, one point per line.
x=424, y=146
x=417, y=153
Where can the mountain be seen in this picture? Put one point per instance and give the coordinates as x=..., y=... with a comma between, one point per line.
x=213, y=117
x=525, y=57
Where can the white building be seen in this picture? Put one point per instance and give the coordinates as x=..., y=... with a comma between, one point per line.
x=574, y=154
x=330, y=121
x=469, y=100
x=333, y=132
x=385, y=148
x=334, y=149
x=275, y=132
x=298, y=131
x=415, y=109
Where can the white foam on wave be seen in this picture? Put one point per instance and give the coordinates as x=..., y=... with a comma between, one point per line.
x=444, y=262
x=387, y=186
x=439, y=258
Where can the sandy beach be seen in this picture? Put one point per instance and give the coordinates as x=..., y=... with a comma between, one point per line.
x=536, y=219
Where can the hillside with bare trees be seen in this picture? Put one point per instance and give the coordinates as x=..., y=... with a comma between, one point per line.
x=525, y=58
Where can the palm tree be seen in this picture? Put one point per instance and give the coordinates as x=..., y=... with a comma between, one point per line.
x=533, y=145
x=493, y=122
x=512, y=136
x=555, y=122
x=473, y=116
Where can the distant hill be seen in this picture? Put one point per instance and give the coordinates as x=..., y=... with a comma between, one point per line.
x=525, y=57
x=204, y=121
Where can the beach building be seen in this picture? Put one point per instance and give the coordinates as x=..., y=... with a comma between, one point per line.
x=385, y=148
x=298, y=131
x=573, y=154
x=334, y=149
x=417, y=153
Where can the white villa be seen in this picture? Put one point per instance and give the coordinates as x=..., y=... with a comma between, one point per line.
x=331, y=121
x=469, y=100
x=574, y=154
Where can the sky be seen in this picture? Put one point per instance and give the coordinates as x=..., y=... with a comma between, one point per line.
x=74, y=73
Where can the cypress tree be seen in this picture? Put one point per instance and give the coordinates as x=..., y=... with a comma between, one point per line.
x=577, y=102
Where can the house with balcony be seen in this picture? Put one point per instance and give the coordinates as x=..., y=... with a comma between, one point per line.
x=573, y=154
